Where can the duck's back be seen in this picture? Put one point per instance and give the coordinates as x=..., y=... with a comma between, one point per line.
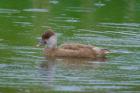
x=80, y=52
x=75, y=46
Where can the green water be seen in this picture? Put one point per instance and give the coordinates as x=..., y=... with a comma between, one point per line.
x=112, y=24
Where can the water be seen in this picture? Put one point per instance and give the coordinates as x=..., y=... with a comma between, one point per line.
x=112, y=24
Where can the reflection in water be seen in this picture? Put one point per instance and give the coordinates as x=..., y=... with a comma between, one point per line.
x=47, y=71
x=54, y=70
x=77, y=62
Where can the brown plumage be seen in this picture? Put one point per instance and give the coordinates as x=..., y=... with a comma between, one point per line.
x=47, y=34
x=69, y=50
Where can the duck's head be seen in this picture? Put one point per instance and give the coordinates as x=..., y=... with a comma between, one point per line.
x=48, y=38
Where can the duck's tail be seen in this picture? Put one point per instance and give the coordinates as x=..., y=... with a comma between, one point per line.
x=100, y=51
x=106, y=51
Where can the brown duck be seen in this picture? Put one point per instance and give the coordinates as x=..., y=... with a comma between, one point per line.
x=49, y=38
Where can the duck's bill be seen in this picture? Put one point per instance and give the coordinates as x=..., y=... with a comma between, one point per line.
x=38, y=45
x=41, y=43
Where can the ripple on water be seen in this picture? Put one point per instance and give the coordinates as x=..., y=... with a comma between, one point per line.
x=65, y=19
x=88, y=88
x=122, y=24
x=123, y=28
x=8, y=11
x=36, y=10
x=54, y=2
x=132, y=67
x=25, y=24
x=3, y=46
x=25, y=48
x=68, y=88
x=79, y=9
x=99, y=4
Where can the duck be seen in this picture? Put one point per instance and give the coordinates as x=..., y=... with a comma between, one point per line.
x=76, y=50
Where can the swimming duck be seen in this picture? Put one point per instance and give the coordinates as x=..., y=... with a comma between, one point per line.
x=49, y=38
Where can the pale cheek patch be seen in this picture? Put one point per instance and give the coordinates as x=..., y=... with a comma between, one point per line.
x=52, y=42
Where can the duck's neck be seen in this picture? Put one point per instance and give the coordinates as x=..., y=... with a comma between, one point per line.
x=52, y=42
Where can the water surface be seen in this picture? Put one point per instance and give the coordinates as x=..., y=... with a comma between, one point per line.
x=111, y=24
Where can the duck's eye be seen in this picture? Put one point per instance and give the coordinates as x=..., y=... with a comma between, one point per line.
x=43, y=42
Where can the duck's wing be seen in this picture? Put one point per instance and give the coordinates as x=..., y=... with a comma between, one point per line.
x=81, y=52
x=75, y=46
